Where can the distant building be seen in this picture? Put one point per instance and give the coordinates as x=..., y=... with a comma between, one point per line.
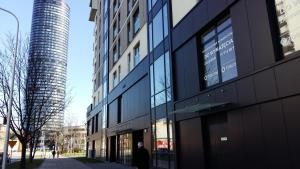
x=48, y=53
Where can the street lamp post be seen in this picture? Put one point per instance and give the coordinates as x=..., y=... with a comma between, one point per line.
x=9, y=113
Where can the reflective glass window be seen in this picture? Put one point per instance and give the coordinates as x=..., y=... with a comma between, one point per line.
x=168, y=74
x=288, y=15
x=137, y=54
x=162, y=143
x=166, y=23
x=159, y=75
x=160, y=98
x=136, y=22
x=150, y=37
x=149, y=5
x=219, y=55
x=157, y=29
x=152, y=80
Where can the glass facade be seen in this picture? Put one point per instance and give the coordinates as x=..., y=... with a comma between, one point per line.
x=160, y=86
x=219, y=54
x=288, y=14
x=158, y=28
x=160, y=80
x=48, y=56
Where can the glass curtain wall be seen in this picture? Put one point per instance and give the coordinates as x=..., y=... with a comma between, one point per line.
x=104, y=55
x=160, y=83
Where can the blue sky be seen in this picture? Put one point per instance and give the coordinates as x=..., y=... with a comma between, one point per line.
x=80, y=49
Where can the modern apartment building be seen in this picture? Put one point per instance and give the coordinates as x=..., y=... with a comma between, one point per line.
x=48, y=60
x=217, y=88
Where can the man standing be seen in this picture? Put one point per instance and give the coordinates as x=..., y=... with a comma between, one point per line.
x=142, y=157
x=53, y=153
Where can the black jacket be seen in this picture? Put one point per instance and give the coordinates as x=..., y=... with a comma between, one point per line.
x=142, y=158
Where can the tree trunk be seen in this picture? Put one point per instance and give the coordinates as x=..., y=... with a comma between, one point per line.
x=23, y=155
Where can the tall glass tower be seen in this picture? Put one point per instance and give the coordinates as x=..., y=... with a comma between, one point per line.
x=48, y=57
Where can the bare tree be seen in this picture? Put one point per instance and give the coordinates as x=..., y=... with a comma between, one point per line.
x=33, y=104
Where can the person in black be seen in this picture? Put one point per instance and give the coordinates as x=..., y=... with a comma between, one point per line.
x=142, y=157
x=53, y=153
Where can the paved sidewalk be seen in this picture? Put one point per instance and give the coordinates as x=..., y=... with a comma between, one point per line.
x=63, y=163
x=69, y=163
x=109, y=166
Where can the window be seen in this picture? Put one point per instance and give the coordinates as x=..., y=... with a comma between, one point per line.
x=115, y=7
x=105, y=25
x=119, y=48
x=119, y=20
x=219, y=54
x=166, y=23
x=151, y=3
x=105, y=46
x=115, y=30
x=129, y=6
x=129, y=35
x=115, y=55
x=159, y=72
x=161, y=143
x=129, y=62
x=157, y=29
x=150, y=37
x=136, y=22
x=136, y=54
x=93, y=125
x=105, y=68
x=105, y=5
x=115, y=79
x=160, y=81
x=119, y=73
x=96, y=126
x=288, y=21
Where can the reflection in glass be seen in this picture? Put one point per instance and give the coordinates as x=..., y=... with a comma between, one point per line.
x=288, y=14
x=227, y=55
x=211, y=76
x=150, y=37
x=160, y=98
x=219, y=54
x=152, y=102
x=159, y=74
x=125, y=149
x=162, y=143
x=168, y=74
x=166, y=24
x=152, y=80
x=157, y=29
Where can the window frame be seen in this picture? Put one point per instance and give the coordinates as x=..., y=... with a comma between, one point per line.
x=201, y=59
x=136, y=48
x=276, y=33
x=136, y=20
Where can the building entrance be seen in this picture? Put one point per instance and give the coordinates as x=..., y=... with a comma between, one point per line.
x=216, y=141
x=125, y=148
x=190, y=145
x=137, y=136
x=113, y=149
